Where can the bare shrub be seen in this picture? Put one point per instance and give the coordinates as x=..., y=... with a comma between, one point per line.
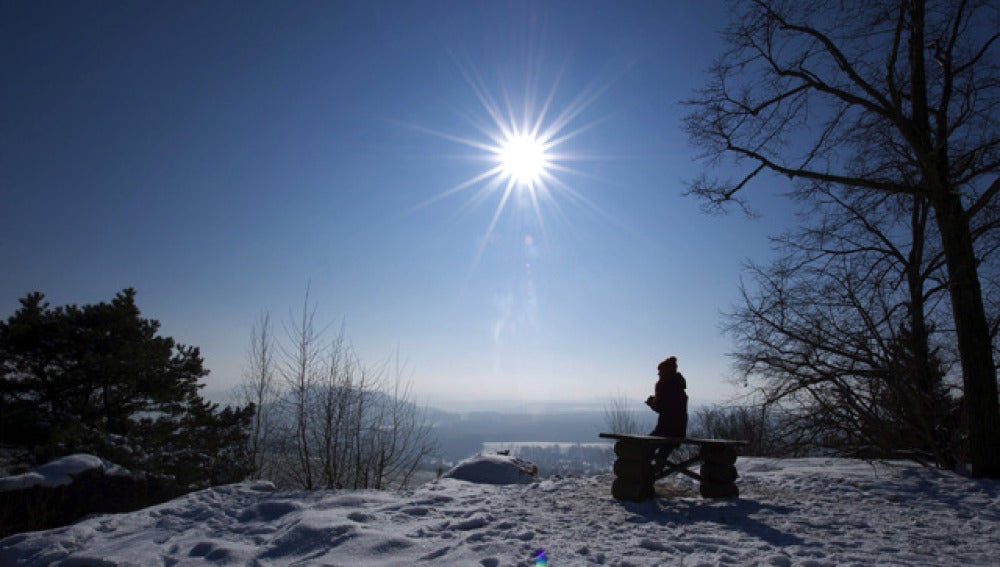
x=751, y=423
x=330, y=420
x=259, y=388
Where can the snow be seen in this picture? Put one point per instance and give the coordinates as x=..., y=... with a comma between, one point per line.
x=806, y=512
x=60, y=472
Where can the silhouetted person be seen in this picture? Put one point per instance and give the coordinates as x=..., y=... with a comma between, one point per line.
x=670, y=402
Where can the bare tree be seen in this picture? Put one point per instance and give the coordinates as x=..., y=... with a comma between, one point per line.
x=988, y=246
x=370, y=423
x=331, y=412
x=300, y=357
x=837, y=330
x=340, y=424
x=896, y=97
x=260, y=389
x=403, y=434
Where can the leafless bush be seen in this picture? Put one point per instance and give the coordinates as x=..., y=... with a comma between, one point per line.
x=331, y=421
x=301, y=354
x=259, y=388
x=751, y=423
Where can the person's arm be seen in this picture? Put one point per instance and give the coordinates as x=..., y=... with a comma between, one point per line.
x=651, y=402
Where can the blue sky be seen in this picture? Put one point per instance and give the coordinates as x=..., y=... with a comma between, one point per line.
x=220, y=157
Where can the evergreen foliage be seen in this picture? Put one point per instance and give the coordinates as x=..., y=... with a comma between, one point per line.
x=98, y=379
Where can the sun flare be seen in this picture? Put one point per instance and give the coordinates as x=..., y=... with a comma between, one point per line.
x=523, y=158
x=524, y=142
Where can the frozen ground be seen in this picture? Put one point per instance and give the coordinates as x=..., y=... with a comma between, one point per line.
x=810, y=512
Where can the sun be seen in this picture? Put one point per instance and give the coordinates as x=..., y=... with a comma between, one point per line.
x=524, y=159
x=524, y=142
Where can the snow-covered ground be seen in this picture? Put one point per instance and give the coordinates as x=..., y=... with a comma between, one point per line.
x=812, y=512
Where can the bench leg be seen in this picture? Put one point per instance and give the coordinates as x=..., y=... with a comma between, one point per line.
x=670, y=468
x=718, y=472
x=633, y=471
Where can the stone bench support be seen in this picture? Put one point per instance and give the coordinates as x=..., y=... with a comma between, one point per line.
x=636, y=471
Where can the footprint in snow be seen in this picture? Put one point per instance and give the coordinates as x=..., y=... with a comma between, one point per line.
x=361, y=517
x=436, y=554
x=474, y=523
x=267, y=511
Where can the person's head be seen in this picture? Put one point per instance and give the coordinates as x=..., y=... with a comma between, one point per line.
x=668, y=367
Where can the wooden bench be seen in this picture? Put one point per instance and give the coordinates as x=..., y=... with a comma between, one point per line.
x=636, y=471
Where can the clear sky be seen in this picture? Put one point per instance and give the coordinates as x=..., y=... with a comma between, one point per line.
x=220, y=157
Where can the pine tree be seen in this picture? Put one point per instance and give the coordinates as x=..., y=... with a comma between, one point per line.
x=98, y=378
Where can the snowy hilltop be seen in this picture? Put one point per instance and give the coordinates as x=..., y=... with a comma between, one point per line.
x=491, y=511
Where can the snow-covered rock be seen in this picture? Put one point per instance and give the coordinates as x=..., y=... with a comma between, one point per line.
x=61, y=472
x=494, y=469
x=68, y=488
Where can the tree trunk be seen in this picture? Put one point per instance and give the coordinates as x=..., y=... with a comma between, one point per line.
x=974, y=344
x=918, y=396
x=972, y=331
